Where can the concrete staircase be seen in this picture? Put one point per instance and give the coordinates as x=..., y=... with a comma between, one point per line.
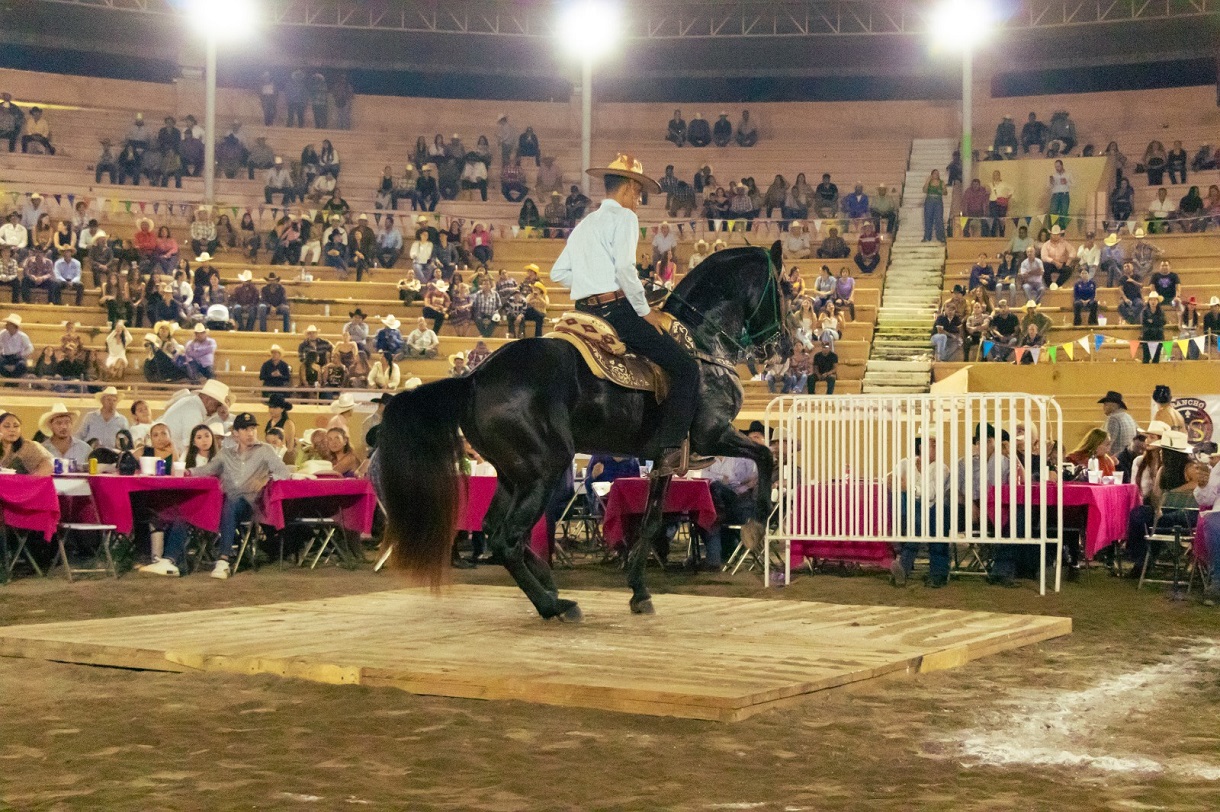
x=901, y=358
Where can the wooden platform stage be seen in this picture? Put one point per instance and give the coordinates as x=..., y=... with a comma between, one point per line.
x=699, y=657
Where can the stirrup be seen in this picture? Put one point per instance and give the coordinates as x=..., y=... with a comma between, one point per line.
x=667, y=465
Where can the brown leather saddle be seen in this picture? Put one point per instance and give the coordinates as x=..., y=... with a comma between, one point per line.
x=608, y=358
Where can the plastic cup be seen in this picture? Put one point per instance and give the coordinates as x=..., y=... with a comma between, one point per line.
x=148, y=466
x=179, y=468
x=1094, y=477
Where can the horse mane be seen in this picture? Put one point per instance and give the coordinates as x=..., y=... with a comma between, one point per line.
x=711, y=284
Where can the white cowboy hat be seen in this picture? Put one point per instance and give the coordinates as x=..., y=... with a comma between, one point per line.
x=1111, y=240
x=1031, y=305
x=306, y=437
x=13, y=319
x=152, y=339
x=1139, y=234
x=1215, y=300
x=199, y=328
x=1157, y=427
x=218, y=428
x=275, y=348
x=245, y=276
x=1173, y=440
x=109, y=390
x=44, y=422
x=343, y=403
x=1056, y=230
x=457, y=355
x=412, y=383
x=215, y=390
x=204, y=257
x=391, y=322
x=311, y=468
x=311, y=329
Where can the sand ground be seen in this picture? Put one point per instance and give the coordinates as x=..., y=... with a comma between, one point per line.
x=1124, y=714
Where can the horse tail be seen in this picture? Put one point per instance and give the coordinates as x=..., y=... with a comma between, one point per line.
x=420, y=449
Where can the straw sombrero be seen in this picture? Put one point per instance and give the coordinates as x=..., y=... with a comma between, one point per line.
x=626, y=166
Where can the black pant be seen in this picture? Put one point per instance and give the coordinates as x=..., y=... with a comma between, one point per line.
x=678, y=410
x=997, y=212
x=538, y=318
x=1079, y=308
x=1055, y=273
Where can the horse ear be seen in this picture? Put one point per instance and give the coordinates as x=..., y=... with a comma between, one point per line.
x=777, y=256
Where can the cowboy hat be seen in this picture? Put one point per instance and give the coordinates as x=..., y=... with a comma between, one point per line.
x=99, y=237
x=335, y=218
x=343, y=403
x=13, y=319
x=1157, y=427
x=215, y=390
x=278, y=401
x=1056, y=230
x=149, y=338
x=1173, y=440
x=311, y=329
x=1152, y=294
x=171, y=325
x=1114, y=397
x=311, y=468
x=1215, y=300
x=204, y=257
x=271, y=277
x=363, y=217
x=44, y=422
x=412, y=383
x=1139, y=234
x=532, y=267
x=456, y=356
x=274, y=348
x=391, y=322
x=306, y=437
x=624, y=166
x=1111, y=240
x=109, y=390
x=218, y=428
x=1031, y=305
x=357, y=313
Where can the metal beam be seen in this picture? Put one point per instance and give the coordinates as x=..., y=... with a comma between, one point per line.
x=679, y=19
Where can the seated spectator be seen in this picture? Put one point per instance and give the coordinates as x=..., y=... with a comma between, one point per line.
x=698, y=133
x=1031, y=277
x=514, y=312
x=335, y=253
x=1165, y=282
x=826, y=198
x=1031, y=338
x=555, y=216
x=1161, y=212
x=536, y=303
x=675, y=133
x=275, y=371
x=868, y=248
x=1112, y=258
x=421, y=256
x=981, y=274
x=1175, y=162
x=577, y=204
x=37, y=131
x=457, y=365
x=427, y=190
x=833, y=246
x=722, y=131
x=845, y=288
x=825, y=369
x=478, y=355
x=1033, y=134
x=389, y=243
x=203, y=232
x=200, y=354
x=1084, y=298
x=420, y=343
x=1005, y=142
x=474, y=175
x=58, y=425
x=791, y=283
x=480, y=240
x=1088, y=255
x=529, y=216
x=1189, y=216
x=1039, y=321
x=67, y=275
x=1061, y=134
x=975, y=329
x=512, y=182
x=165, y=250
x=704, y=182
x=1057, y=257
x=947, y=334
x=775, y=373
x=856, y=205
x=243, y=302
x=273, y=299
x=1153, y=163
x=1003, y=331
x=747, y=133
x=15, y=348
x=361, y=246
x=10, y=271
x=665, y=241
x=527, y=146
x=550, y=177
x=279, y=181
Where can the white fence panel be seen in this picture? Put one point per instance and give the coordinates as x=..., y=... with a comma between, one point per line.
x=962, y=469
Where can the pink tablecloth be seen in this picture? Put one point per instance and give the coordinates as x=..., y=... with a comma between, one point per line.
x=30, y=503
x=195, y=500
x=479, y=491
x=629, y=498
x=870, y=500
x=350, y=501
x=1108, y=509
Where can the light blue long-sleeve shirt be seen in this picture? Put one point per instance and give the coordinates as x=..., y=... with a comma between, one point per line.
x=67, y=270
x=600, y=256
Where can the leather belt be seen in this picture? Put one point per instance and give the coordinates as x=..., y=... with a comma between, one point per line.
x=603, y=298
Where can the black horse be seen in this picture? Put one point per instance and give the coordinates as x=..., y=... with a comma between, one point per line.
x=530, y=406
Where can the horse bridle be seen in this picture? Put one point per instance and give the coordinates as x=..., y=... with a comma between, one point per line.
x=749, y=342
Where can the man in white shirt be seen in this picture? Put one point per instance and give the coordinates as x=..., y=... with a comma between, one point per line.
x=105, y=423
x=15, y=348
x=1161, y=212
x=1088, y=255
x=1061, y=188
x=192, y=409
x=14, y=234
x=422, y=341
x=922, y=480
x=598, y=266
x=31, y=211
x=279, y=181
x=665, y=240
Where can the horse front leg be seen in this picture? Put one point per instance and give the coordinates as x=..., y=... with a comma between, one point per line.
x=651, y=527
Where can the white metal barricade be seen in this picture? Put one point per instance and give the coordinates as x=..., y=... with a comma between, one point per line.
x=963, y=469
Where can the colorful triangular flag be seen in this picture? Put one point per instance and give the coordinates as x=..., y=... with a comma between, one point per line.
x=1084, y=344
x=1070, y=349
x=1135, y=348
x=1053, y=354
x=1034, y=352
x=987, y=345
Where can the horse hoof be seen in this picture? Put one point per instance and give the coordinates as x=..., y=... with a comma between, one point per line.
x=643, y=607
x=571, y=612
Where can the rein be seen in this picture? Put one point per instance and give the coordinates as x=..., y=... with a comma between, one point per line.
x=762, y=336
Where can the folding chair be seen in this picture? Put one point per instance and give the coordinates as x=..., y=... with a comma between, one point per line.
x=248, y=548
x=324, y=532
x=11, y=561
x=1178, y=542
x=106, y=535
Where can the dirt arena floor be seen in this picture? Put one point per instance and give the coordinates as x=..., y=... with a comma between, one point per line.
x=1124, y=714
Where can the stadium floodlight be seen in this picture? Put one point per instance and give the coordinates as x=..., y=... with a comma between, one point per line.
x=225, y=20
x=961, y=24
x=589, y=28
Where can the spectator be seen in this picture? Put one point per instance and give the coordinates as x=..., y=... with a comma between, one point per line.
x=1175, y=162
x=1189, y=215
x=776, y=374
x=512, y=181
x=58, y=424
x=1033, y=134
x=274, y=299
x=1005, y=143
x=1122, y=202
x=319, y=101
x=527, y=146
x=976, y=201
x=665, y=240
x=1165, y=282
x=1154, y=163
x=1088, y=255
x=722, y=131
x=856, y=205
x=947, y=334
x=313, y=343
x=485, y=308
x=747, y=133
x=536, y=303
x=1003, y=331
x=328, y=160
x=38, y=272
x=1084, y=298
x=14, y=234
x=200, y=354
x=1031, y=277
x=32, y=211
x=389, y=243
x=1061, y=183
x=10, y=271
x=12, y=119
x=676, y=131
x=555, y=216
x=275, y=371
x=833, y=246
x=1112, y=258
x=698, y=133
x=550, y=177
x=1057, y=255
x=506, y=137
x=868, y=248
x=67, y=274
x=1152, y=329
x=1143, y=255
x=106, y=162
x=1061, y=134
x=825, y=369
x=343, y=95
x=203, y=232
x=190, y=154
x=934, y=208
x=826, y=198
x=480, y=240
x=15, y=348
x=474, y=175
x=421, y=342
x=529, y=216
x=384, y=375
x=243, y=302
x=362, y=243
x=421, y=256
x=1031, y=339
x=38, y=131
x=883, y=207
x=974, y=330
x=1211, y=319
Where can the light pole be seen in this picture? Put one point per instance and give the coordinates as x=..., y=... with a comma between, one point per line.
x=232, y=20
x=963, y=25
x=588, y=29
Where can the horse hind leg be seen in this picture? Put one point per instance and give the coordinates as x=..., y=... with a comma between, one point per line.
x=651, y=528
x=510, y=520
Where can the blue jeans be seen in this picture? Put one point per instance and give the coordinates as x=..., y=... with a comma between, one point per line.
x=243, y=317
x=731, y=508
x=264, y=309
x=938, y=552
x=175, y=542
x=934, y=218
x=237, y=509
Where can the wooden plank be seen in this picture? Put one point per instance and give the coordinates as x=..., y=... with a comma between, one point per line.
x=700, y=658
